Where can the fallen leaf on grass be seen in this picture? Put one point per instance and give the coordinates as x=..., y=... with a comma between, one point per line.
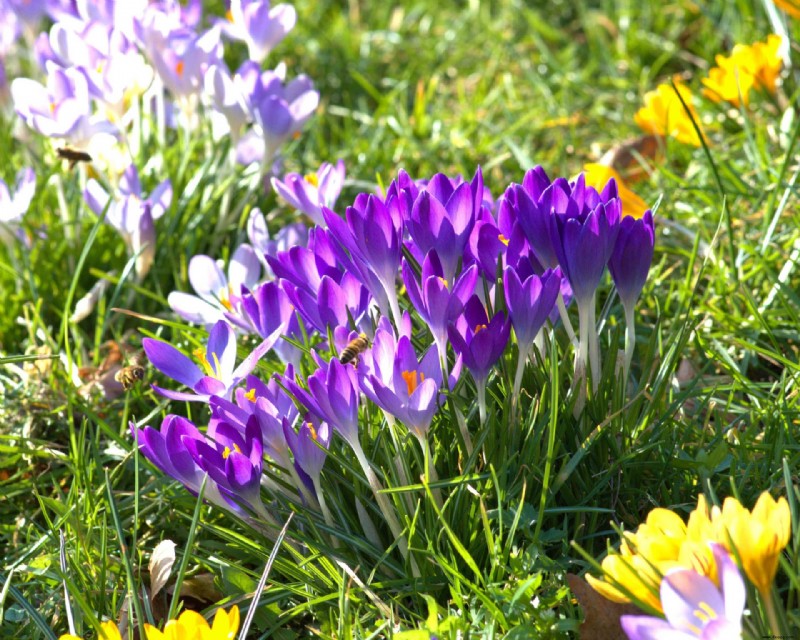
x=600, y=616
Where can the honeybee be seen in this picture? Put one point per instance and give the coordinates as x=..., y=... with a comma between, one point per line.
x=73, y=155
x=354, y=348
x=130, y=375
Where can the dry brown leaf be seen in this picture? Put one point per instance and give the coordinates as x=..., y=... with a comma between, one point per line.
x=601, y=616
x=630, y=158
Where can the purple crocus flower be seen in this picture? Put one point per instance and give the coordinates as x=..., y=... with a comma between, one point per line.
x=62, y=109
x=313, y=191
x=694, y=606
x=227, y=97
x=14, y=207
x=530, y=303
x=218, y=297
x=632, y=255
x=260, y=26
x=531, y=204
x=480, y=342
x=278, y=112
x=400, y=384
x=333, y=396
x=233, y=462
x=292, y=235
x=216, y=375
x=442, y=218
x=132, y=214
x=435, y=299
x=106, y=54
x=629, y=264
x=181, y=58
x=268, y=308
x=372, y=235
x=323, y=294
x=583, y=230
x=309, y=447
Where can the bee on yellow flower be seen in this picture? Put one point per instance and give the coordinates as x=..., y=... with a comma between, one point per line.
x=663, y=113
x=748, y=67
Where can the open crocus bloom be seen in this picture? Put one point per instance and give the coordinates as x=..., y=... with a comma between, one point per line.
x=694, y=606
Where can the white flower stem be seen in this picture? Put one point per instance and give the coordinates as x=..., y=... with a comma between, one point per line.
x=594, y=346
x=481, y=400
x=430, y=469
x=380, y=498
x=326, y=513
x=521, y=361
x=581, y=357
x=562, y=311
x=630, y=341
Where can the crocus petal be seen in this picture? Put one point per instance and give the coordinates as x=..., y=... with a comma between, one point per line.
x=171, y=362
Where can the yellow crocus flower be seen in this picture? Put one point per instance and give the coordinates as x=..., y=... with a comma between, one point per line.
x=758, y=537
x=663, y=113
x=108, y=631
x=190, y=625
x=748, y=67
x=792, y=7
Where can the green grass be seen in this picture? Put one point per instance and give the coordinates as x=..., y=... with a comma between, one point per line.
x=427, y=87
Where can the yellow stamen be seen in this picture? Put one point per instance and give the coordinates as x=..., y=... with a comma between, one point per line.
x=179, y=67
x=312, y=179
x=200, y=354
x=227, y=451
x=229, y=15
x=444, y=282
x=52, y=107
x=503, y=239
x=479, y=328
x=251, y=395
x=312, y=430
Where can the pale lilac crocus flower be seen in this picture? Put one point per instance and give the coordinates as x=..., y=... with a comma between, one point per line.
x=218, y=297
x=278, y=112
x=313, y=191
x=216, y=373
x=62, y=109
x=260, y=26
x=292, y=235
x=694, y=607
x=132, y=214
x=14, y=207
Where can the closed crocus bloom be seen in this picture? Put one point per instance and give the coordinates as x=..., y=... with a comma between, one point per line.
x=598, y=175
x=663, y=113
x=259, y=25
x=758, y=536
x=190, y=625
x=632, y=255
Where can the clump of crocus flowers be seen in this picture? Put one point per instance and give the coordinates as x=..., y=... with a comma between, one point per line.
x=397, y=304
x=670, y=567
